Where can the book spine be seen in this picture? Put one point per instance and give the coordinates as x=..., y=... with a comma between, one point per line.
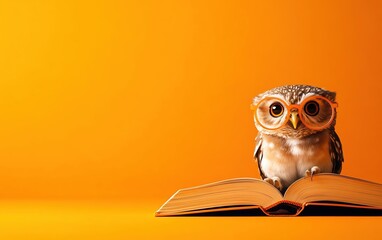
x=296, y=204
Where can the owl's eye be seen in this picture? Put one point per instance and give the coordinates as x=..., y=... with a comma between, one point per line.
x=276, y=109
x=312, y=108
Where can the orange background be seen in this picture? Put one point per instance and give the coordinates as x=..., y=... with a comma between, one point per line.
x=128, y=101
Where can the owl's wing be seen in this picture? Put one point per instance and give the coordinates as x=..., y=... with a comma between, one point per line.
x=258, y=155
x=335, y=149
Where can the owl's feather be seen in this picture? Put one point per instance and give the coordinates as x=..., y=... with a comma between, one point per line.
x=335, y=149
x=259, y=154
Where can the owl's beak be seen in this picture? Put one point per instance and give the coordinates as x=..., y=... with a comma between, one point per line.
x=294, y=119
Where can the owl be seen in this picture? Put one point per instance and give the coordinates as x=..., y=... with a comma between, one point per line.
x=296, y=134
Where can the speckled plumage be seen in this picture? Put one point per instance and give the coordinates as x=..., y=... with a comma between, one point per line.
x=287, y=154
x=294, y=93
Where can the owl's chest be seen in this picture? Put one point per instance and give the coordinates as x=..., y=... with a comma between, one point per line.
x=290, y=158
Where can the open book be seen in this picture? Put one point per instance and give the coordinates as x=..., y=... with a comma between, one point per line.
x=325, y=194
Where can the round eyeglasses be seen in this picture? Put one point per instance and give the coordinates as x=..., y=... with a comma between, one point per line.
x=316, y=113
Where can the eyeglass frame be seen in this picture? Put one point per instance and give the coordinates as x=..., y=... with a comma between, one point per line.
x=300, y=108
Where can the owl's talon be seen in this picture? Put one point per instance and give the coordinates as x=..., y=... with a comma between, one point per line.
x=275, y=181
x=312, y=171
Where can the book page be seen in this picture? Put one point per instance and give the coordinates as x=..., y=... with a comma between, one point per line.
x=227, y=193
x=337, y=188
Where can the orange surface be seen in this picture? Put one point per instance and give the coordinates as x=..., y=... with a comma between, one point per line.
x=77, y=220
x=128, y=101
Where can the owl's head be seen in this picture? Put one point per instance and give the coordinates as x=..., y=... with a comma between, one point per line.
x=294, y=111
